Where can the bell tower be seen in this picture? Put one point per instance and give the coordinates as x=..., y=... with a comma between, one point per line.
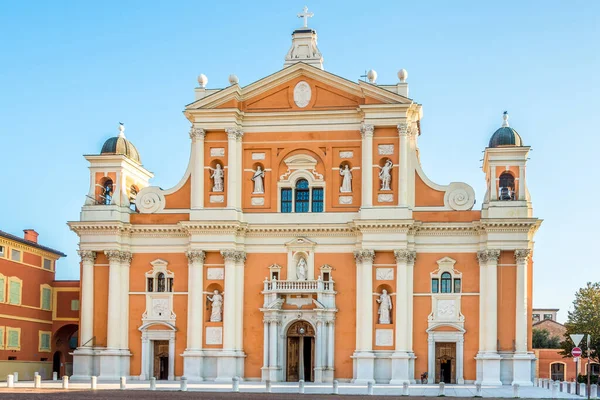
x=504, y=165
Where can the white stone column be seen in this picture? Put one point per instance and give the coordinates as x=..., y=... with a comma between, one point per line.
x=319, y=339
x=488, y=360
x=430, y=359
x=229, y=300
x=493, y=183
x=239, y=171
x=404, y=154
x=265, y=344
x=331, y=349
x=460, y=357
x=239, y=307
x=273, y=325
x=126, y=258
x=522, y=190
x=114, y=299
x=171, y=372
x=367, y=164
x=364, y=358
x=232, y=168
x=522, y=359
x=86, y=329
x=195, y=299
x=402, y=357
x=197, y=135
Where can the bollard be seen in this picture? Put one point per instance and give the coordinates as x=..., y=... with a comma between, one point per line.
x=555, y=390
x=546, y=383
x=65, y=383
x=153, y=383
x=123, y=382
x=37, y=381
x=235, y=384
x=405, y=389
x=10, y=381
x=561, y=386
x=55, y=376
x=582, y=389
x=16, y=375
x=536, y=382
x=335, y=387
x=183, y=384
x=573, y=387
x=593, y=391
x=301, y=386
x=35, y=374
x=516, y=390
x=370, y=388
x=442, y=391
x=268, y=386
x=94, y=383
x=478, y=391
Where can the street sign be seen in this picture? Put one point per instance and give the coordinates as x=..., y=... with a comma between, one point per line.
x=576, y=338
x=576, y=352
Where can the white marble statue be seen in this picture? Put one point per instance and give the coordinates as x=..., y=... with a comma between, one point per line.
x=385, y=175
x=217, y=177
x=385, y=306
x=346, y=172
x=217, y=306
x=301, y=270
x=258, y=178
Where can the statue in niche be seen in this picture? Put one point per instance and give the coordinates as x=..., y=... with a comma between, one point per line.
x=301, y=269
x=346, y=172
x=385, y=175
x=217, y=177
x=258, y=178
x=385, y=307
x=217, y=306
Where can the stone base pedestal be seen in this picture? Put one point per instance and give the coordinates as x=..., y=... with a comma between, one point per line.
x=488, y=369
x=83, y=364
x=401, y=368
x=328, y=375
x=106, y=364
x=522, y=369
x=272, y=374
x=193, y=364
x=364, y=367
x=230, y=364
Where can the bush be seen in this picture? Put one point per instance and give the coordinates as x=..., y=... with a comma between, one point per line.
x=583, y=379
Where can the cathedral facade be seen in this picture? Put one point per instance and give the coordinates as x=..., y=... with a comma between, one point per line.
x=304, y=241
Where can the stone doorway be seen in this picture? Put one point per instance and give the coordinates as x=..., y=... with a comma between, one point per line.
x=300, y=349
x=161, y=359
x=445, y=359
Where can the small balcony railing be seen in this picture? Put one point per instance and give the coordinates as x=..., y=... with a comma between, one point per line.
x=308, y=286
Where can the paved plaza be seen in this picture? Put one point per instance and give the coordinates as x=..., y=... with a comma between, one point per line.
x=256, y=390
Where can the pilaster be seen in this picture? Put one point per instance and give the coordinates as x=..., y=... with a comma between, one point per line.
x=197, y=135
x=367, y=164
x=404, y=133
x=114, y=299
x=125, y=261
x=522, y=359
x=364, y=359
x=87, y=298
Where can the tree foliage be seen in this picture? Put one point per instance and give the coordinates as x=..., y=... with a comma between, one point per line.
x=542, y=340
x=585, y=318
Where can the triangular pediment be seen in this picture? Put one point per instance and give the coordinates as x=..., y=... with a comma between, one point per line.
x=276, y=92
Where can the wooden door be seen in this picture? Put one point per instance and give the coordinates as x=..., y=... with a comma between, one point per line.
x=293, y=361
x=161, y=359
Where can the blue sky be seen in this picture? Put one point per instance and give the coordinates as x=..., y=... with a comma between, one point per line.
x=71, y=71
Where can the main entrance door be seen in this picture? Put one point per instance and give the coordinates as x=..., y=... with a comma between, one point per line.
x=445, y=362
x=161, y=359
x=300, y=349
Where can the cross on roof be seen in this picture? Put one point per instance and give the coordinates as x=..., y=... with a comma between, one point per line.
x=306, y=15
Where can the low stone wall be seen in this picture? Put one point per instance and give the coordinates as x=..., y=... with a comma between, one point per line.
x=26, y=369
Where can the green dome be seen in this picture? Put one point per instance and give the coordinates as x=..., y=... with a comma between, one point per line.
x=120, y=145
x=505, y=136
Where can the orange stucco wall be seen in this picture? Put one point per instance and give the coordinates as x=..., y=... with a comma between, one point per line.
x=426, y=196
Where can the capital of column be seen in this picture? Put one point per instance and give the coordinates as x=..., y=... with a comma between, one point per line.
x=126, y=257
x=407, y=256
x=87, y=255
x=405, y=129
x=488, y=255
x=113, y=255
x=364, y=255
x=195, y=256
x=197, y=133
x=234, y=255
x=522, y=255
x=234, y=133
x=366, y=130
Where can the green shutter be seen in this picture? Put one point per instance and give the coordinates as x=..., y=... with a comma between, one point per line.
x=14, y=291
x=46, y=298
x=13, y=339
x=45, y=341
x=2, y=338
x=2, y=286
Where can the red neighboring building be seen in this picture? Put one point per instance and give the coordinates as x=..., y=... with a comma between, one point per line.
x=39, y=316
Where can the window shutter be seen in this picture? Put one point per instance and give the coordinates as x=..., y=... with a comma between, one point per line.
x=46, y=298
x=13, y=339
x=2, y=338
x=15, y=292
x=45, y=341
x=2, y=289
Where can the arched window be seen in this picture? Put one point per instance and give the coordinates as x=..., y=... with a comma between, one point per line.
x=107, y=192
x=435, y=285
x=507, y=186
x=446, y=282
x=302, y=196
x=161, y=283
x=557, y=371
